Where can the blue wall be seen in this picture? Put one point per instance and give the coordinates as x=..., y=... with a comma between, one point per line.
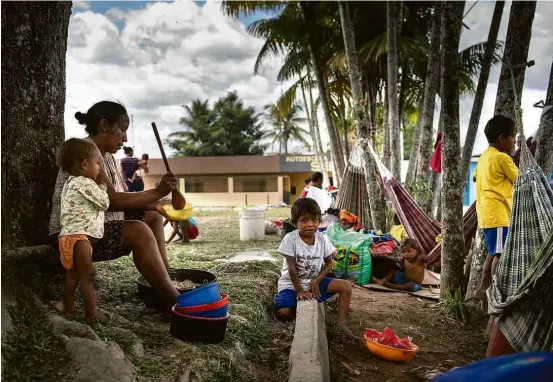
x=469, y=195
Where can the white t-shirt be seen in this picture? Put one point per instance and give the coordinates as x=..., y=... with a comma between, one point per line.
x=309, y=258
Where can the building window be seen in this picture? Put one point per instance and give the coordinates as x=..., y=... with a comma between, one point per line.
x=256, y=184
x=206, y=185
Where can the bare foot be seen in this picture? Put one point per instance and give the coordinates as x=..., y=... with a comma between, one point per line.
x=70, y=313
x=480, y=294
x=344, y=330
x=96, y=317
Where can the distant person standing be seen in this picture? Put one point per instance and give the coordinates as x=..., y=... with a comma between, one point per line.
x=316, y=180
x=136, y=183
x=129, y=165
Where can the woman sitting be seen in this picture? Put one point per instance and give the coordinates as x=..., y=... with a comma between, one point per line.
x=133, y=222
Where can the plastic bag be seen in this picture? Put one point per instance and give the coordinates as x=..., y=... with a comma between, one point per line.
x=353, y=257
x=323, y=198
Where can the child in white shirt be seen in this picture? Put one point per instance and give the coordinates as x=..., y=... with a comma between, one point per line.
x=83, y=203
x=307, y=260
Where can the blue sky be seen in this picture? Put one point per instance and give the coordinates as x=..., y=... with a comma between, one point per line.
x=104, y=6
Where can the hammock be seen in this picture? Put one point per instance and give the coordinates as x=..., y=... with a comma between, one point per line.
x=522, y=291
x=352, y=195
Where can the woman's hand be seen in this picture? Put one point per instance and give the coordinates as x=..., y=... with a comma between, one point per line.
x=167, y=184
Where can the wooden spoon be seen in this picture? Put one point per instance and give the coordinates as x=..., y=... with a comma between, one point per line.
x=177, y=199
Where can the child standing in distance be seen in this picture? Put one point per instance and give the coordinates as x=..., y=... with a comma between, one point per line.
x=83, y=203
x=411, y=274
x=136, y=183
x=307, y=260
x=495, y=175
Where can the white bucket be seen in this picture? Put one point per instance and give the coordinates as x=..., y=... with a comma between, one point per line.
x=252, y=225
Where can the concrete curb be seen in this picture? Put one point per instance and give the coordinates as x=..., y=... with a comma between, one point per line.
x=309, y=353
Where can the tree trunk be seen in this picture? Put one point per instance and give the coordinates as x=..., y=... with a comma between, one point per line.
x=481, y=89
x=429, y=104
x=549, y=94
x=544, y=144
x=34, y=45
x=479, y=253
x=312, y=131
x=517, y=43
x=452, y=201
x=414, y=154
x=337, y=154
x=386, y=153
x=316, y=125
x=393, y=112
x=360, y=117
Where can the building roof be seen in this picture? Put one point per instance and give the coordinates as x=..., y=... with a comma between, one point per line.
x=255, y=164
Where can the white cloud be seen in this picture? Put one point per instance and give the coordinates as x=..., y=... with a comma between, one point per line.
x=81, y=5
x=164, y=56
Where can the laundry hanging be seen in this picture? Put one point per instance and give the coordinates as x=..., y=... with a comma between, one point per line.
x=436, y=160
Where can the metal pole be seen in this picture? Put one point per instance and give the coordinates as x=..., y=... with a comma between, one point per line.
x=132, y=130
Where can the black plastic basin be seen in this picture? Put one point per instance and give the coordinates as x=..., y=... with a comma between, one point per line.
x=153, y=300
x=198, y=329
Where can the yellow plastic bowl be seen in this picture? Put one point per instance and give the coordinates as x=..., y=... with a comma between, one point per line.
x=178, y=215
x=389, y=353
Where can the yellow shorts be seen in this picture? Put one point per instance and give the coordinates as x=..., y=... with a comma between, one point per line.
x=66, y=244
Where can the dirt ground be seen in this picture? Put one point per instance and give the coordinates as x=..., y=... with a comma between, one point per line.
x=444, y=343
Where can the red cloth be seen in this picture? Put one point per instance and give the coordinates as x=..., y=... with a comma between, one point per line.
x=436, y=161
x=305, y=190
x=384, y=248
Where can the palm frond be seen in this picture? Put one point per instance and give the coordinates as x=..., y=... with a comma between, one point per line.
x=248, y=8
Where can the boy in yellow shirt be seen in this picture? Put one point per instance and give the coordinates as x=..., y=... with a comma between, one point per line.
x=495, y=175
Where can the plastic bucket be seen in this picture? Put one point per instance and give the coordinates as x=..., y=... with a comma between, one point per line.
x=201, y=295
x=252, y=225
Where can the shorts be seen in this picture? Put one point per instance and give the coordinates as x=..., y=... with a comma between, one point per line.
x=495, y=239
x=109, y=247
x=66, y=244
x=399, y=280
x=286, y=298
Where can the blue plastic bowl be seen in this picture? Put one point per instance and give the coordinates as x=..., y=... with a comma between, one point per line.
x=215, y=313
x=205, y=294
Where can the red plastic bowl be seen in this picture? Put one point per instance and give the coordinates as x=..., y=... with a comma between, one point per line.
x=180, y=314
x=205, y=307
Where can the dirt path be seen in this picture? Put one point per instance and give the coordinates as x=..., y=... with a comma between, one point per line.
x=443, y=343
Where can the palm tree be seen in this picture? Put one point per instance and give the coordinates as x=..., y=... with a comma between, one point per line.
x=519, y=32
x=361, y=121
x=198, y=119
x=452, y=214
x=393, y=107
x=544, y=145
x=481, y=88
x=285, y=126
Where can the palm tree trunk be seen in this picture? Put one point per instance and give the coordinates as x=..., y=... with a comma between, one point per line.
x=481, y=89
x=544, y=145
x=414, y=154
x=360, y=116
x=315, y=120
x=452, y=231
x=429, y=104
x=337, y=154
x=312, y=130
x=393, y=112
x=517, y=43
x=386, y=149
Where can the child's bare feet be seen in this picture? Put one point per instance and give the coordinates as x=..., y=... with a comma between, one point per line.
x=96, y=317
x=344, y=330
x=70, y=313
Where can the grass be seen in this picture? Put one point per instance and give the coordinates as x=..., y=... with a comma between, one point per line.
x=452, y=305
x=251, y=287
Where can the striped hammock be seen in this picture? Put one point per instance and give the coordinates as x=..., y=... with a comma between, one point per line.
x=521, y=295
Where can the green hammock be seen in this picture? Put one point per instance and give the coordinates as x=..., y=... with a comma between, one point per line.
x=521, y=295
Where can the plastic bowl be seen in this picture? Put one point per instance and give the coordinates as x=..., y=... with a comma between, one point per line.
x=201, y=295
x=149, y=296
x=389, y=353
x=178, y=215
x=198, y=329
x=222, y=302
x=214, y=313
